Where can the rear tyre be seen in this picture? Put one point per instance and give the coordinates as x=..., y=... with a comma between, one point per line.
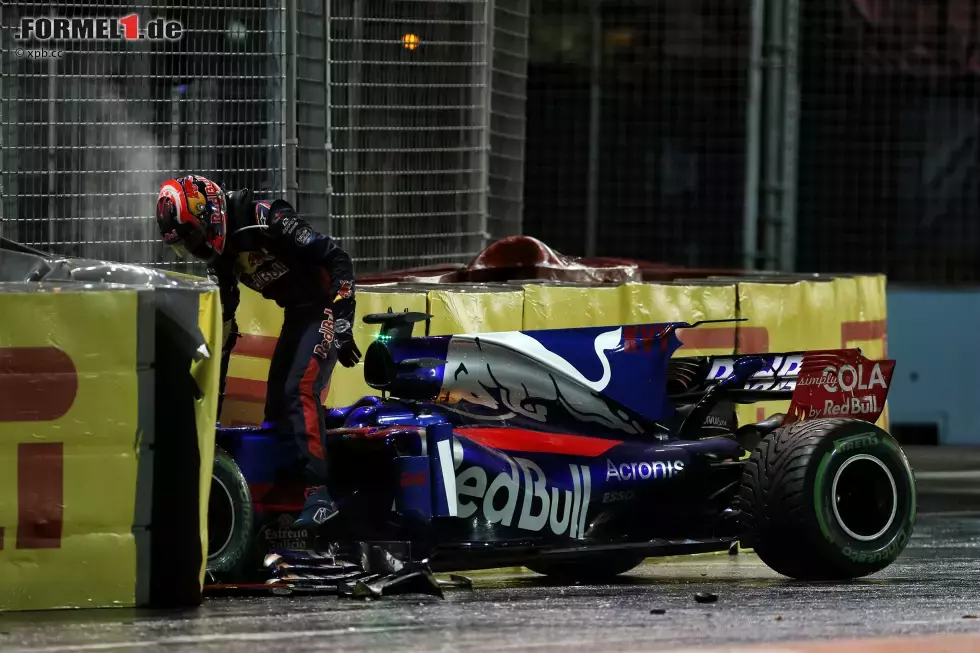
x=591, y=568
x=230, y=517
x=828, y=499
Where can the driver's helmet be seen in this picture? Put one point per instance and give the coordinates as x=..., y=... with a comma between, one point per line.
x=192, y=216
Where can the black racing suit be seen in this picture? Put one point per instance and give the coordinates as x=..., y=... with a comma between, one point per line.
x=274, y=252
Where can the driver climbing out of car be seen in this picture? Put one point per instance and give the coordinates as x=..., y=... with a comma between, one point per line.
x=267, y=247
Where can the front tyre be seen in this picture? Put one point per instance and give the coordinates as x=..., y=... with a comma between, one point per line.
x=230, y=517
x=828, y=499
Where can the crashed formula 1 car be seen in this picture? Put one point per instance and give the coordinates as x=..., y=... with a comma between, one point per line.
x=577, y=453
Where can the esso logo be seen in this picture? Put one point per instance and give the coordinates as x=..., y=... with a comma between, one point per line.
x=849, y=378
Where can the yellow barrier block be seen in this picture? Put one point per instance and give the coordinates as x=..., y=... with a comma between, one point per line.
x=462, y=311
x=567, y=307
x=249, y=368
x=257, y=315
x=794, y=316
x=841, y=313
x=259, y=322
x=645, y=303
x=68, y=461
x=347, y=384
x=207, y=372
x=862, y=307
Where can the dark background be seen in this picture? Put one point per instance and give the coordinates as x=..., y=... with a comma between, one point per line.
x=887, y=163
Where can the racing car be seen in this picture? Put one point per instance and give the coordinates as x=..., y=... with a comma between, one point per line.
x=578, y=453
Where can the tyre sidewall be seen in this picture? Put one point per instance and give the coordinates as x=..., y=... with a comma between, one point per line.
x=232, y=481
x=844, y=442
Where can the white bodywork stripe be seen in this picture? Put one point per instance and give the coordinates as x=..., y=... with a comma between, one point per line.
x=586, y=491
x=576, y=496
x=448, y=475
x=525, y=344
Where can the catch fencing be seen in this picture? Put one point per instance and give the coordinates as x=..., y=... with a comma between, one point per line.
x=817, y=136
x=826, y=136
x=88, y=136
x=372, y=116
x=889, y=148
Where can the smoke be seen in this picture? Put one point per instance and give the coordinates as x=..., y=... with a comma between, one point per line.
x=122, y=163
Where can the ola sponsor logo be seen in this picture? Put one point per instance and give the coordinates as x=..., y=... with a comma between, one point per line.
x=561, y=511
x=644, y=470
x=848, y=378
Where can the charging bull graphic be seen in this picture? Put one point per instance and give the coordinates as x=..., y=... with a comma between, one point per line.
x=196, y=201
x=566, y=380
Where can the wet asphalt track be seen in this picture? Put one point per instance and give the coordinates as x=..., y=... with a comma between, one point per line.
x=929, y=590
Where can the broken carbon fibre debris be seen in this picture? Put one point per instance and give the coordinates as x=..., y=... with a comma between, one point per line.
x=457, y=582
x=705, y=597
x=358, y=570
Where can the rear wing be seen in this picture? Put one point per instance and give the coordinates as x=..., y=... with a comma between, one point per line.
x=781, y=376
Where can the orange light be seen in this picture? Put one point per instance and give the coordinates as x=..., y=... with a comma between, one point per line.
x=410, y=41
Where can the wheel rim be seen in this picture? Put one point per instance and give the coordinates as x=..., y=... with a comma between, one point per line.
x=221, y=517
x=864, y=497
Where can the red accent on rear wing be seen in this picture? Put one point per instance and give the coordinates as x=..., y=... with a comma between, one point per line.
x=780, y=380
x=840, y=383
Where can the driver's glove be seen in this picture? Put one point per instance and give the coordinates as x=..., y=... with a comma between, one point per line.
x=348, y=354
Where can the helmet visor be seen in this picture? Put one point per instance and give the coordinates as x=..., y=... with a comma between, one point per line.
x=180, y=249
x=185, y=239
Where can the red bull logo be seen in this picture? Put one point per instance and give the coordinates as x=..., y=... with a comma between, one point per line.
x=257, y=269
x=250, y=262
x=196, y=202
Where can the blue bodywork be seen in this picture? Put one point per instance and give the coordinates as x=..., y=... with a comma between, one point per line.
x=517, y=439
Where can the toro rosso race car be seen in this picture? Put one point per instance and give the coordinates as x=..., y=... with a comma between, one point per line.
x=577, y=453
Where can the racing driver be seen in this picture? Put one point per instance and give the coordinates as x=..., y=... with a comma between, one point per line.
x=267, y=247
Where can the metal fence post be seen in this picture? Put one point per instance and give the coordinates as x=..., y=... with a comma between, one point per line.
x=327, y=121
x=595, y=125
x=753, y=136
x=3, y=129
x=353, y=158
x=52, y=188
x=790, y=133
x=484, y=33
x=772, y=189
x=291, y=141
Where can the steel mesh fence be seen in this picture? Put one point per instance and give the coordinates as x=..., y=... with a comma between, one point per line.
x=508, y=109
x=636, y=134
x=87, y=138
x=890, y=139
x=408, y=113
x=313, y=173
